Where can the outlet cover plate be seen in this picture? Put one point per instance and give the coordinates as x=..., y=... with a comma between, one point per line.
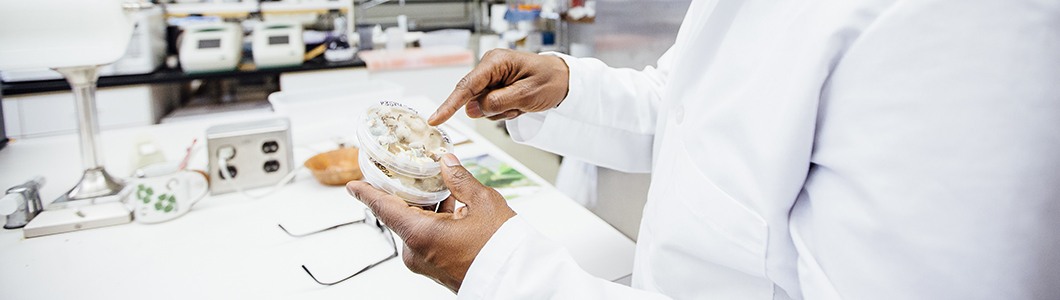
x=248, y=139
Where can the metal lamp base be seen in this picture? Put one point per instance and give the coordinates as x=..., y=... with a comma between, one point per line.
x=96, y=200
x=96, y=186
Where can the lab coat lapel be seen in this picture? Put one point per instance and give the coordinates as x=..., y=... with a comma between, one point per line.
x=705, y=37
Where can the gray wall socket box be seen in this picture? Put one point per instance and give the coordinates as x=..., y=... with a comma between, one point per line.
x=263, y=154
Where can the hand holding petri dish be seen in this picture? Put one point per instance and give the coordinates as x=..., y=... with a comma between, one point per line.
x=400, y=153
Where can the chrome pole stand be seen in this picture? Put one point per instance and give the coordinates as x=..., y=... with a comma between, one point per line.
x=96, y=183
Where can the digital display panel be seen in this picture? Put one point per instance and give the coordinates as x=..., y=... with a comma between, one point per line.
x=214, y=43
x=279, y=40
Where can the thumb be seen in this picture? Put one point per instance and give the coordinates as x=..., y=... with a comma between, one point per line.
x=462, y=184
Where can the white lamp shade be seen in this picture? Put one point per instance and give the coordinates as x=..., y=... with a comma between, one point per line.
x=62, y=33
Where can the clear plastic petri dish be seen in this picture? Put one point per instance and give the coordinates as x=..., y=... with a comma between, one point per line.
x=400, y=153
x=382, y=178
x=388, y=146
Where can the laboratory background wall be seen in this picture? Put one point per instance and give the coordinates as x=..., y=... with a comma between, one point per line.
x=631, y=34
x=634, y=34
x=423, y=15
x=628, y=34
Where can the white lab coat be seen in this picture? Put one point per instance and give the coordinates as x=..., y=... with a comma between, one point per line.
x=818, y=150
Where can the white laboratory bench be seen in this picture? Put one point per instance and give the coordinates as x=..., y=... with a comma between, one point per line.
x=230, y=247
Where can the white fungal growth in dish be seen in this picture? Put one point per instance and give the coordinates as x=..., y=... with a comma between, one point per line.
x=431, y=184
x=406, y=135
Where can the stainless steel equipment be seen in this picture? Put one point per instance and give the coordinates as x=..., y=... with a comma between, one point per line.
x=95, y=182
x=260, y=154
x=94, y=33
x=22, y=203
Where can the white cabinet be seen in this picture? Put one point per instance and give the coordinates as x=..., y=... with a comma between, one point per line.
x=310, y=80
x=12, y=119
x=43, y=114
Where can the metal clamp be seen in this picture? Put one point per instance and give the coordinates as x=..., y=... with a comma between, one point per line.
x=133, y=7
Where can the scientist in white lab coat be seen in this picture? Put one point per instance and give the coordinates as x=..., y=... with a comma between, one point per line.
x=798, y=149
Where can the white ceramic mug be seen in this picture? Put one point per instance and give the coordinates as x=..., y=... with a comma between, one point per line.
x=165, y=197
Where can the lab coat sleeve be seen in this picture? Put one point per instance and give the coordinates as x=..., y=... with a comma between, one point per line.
x=520, y=263
x=607, y=119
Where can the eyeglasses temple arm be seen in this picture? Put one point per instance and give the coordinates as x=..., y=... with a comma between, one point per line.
x=386, y=231
x=318, y=231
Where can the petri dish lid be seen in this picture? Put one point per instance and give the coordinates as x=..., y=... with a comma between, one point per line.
x=391, y=161
x=373, y=174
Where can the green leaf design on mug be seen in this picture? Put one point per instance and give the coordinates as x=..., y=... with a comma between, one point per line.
x=158, y=205
x=141, y=193
x=172, y=200
x=168, y=208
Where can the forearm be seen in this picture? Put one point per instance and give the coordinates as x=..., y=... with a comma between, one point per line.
x=607, y=119
x=620, y=98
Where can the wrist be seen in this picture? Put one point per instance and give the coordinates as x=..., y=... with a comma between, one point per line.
x=488, y=265
x=560, y=71
x=563, y=71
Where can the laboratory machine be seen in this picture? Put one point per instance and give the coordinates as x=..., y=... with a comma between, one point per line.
x=210, y=47
x=277, y=44
x=146, y=52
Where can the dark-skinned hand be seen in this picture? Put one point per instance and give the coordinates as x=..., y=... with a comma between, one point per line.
x=506, y=84
x=441, y=245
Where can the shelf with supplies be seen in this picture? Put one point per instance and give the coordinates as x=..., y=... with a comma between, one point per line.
x=243, y=9
x=166, y=75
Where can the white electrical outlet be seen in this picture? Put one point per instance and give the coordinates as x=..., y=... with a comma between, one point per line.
x=258, y=154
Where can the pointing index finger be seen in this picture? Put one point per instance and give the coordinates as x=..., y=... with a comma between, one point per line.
x=474, y=83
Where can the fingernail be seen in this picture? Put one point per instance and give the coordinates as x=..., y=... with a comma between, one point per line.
x=349, y=190
x=450, y=160
x=433, y=116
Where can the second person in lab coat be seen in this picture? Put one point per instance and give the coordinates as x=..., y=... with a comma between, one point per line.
x=798, y=150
